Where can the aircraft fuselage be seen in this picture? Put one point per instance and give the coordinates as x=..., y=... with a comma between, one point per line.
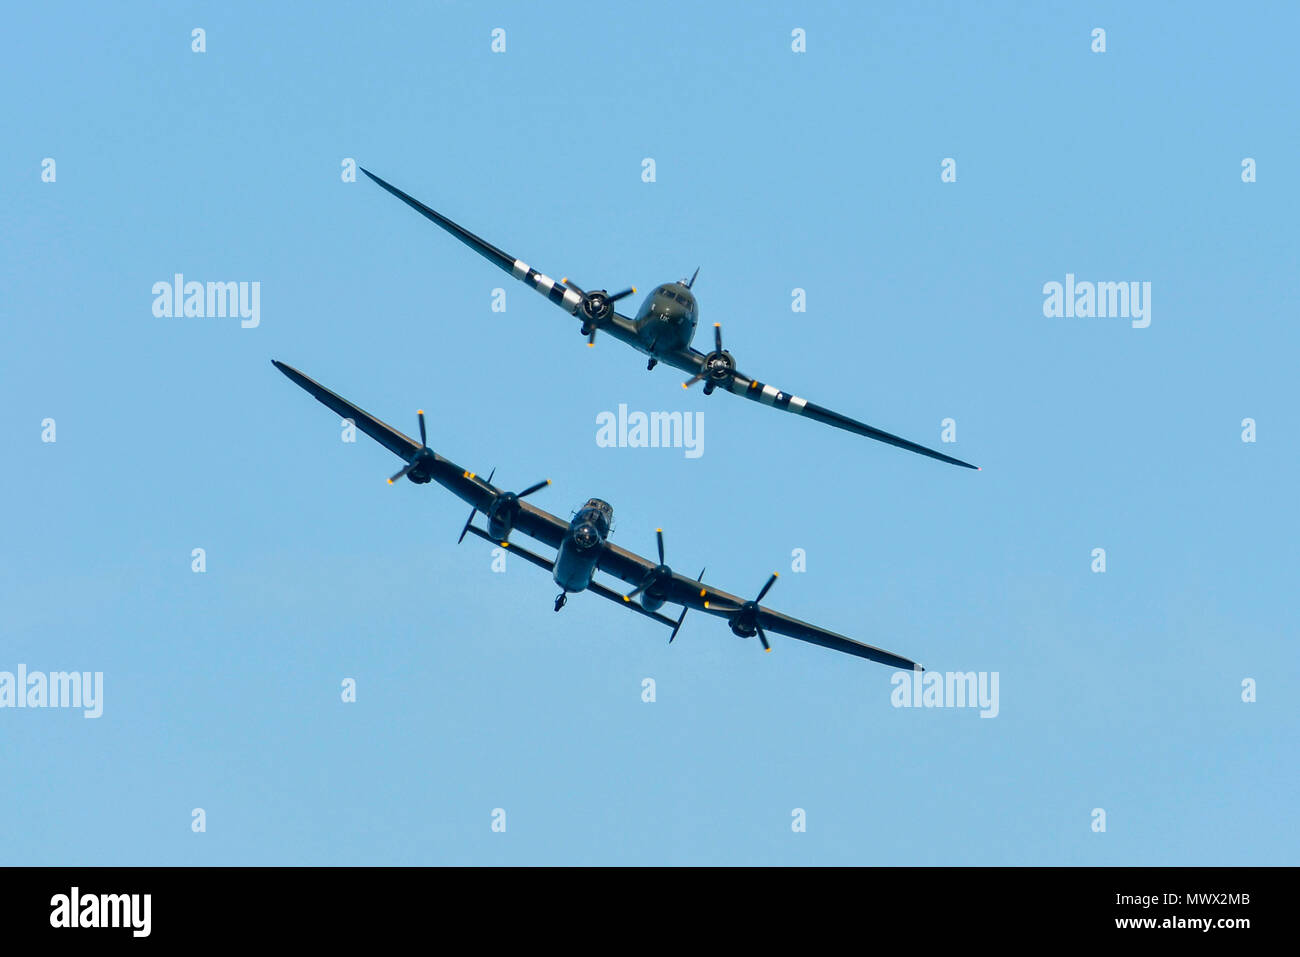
x=575, y=561
x=666, y=321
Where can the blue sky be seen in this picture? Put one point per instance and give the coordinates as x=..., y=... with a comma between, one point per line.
x=774, y=170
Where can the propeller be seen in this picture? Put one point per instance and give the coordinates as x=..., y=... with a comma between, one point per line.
x=718, y=365
x=501, y=513
x=422, y=456
x=744, y=621
x=659, y=574
x=596, y=307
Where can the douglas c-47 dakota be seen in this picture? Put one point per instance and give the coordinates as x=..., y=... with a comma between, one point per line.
x=582, y=545
x=662, y=329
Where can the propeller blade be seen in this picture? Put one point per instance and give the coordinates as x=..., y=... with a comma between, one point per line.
x=400, y=474
x=693, y=275
x=591, y=339
x=533, y=488
x=574, y=286
x=770, y=582
x=634, y=592
x=717, y=335
x=678, y=626
x=692, y=380
x=762, y=636
x=490, y=474
x=659, y=534
x=423, y=437
x=472, y=513
x=685, y=609
x=622, y=295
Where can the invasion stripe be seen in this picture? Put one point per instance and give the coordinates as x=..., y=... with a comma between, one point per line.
x=520, y=269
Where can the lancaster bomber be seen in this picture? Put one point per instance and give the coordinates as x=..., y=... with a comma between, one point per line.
x=582, y=546
x=662, y=329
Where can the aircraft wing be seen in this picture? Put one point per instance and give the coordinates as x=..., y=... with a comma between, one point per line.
x=385, y=435
x=564, y=294
x=464, y=484
x=774, y=622
x=694, y=362
x=691, y=593
x=540, y=525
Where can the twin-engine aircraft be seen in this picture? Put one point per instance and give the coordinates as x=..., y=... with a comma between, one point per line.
x=662, y=329
x=582, y=545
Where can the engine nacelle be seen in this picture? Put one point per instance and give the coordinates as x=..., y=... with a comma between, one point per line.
x=421, y=470
x=595, y=309
x=651, y=602
x=501, y=516
x=654, y=589
x=744, y=624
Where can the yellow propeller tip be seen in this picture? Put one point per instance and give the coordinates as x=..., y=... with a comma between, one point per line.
x=591, y=345
x=419, y=412
x=767, y=650
x=717, y=325
x=625, y=598
x=634, y=288
x=776, y=574
x=685, y=386
x=706, y=604
x=390, y=481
